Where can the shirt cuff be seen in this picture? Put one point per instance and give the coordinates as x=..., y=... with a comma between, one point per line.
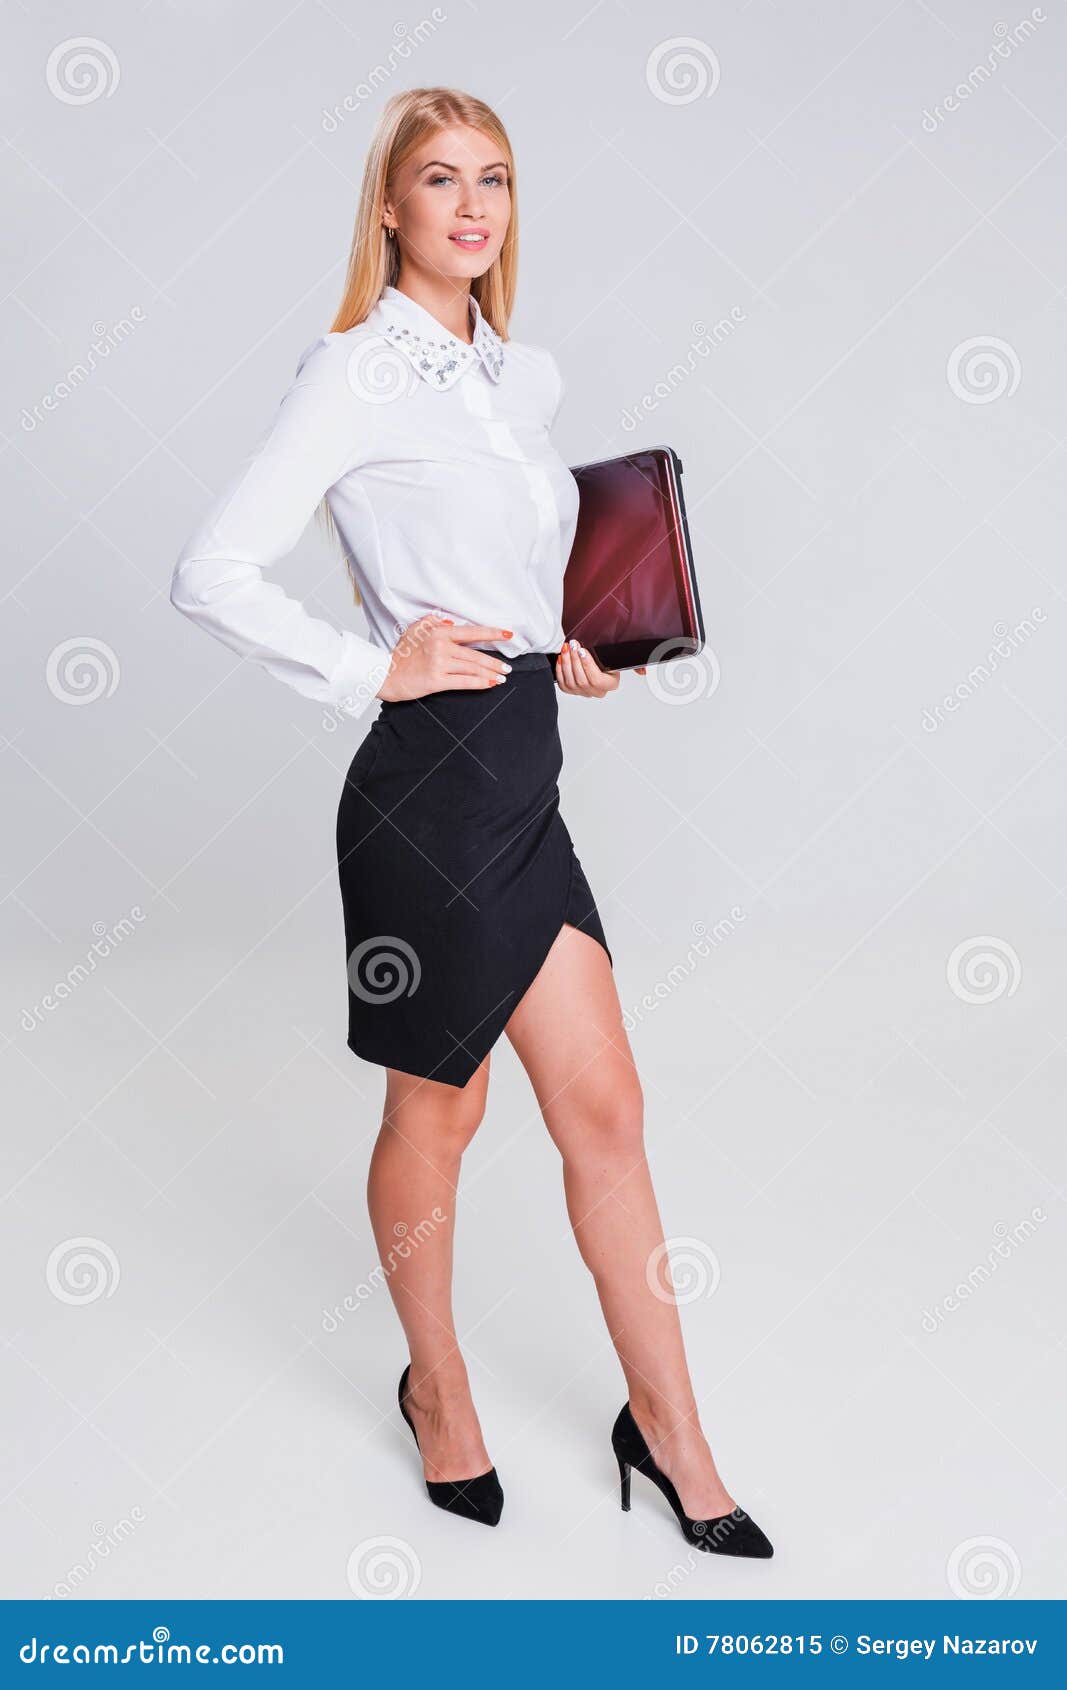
x=358, y=676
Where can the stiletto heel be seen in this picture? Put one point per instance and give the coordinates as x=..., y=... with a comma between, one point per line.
x=624, y=1481
x=480, y=1498
x=726, y=1534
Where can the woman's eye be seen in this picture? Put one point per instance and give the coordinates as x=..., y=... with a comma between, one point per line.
x=497, y=181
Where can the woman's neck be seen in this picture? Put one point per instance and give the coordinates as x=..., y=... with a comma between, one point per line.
x=448, y=301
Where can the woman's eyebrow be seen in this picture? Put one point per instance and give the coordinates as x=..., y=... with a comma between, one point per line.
x=499, y=164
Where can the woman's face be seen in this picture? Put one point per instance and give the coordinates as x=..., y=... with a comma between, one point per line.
x=455, y=184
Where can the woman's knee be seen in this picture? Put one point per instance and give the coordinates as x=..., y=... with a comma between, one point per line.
x=435, y=1116
x=606, y=1121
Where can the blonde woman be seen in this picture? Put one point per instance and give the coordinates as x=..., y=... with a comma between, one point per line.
x=467, y=914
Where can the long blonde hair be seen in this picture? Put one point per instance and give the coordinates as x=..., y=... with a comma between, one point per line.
x=374, y=260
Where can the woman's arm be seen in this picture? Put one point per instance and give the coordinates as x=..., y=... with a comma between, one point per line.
x=218, y=579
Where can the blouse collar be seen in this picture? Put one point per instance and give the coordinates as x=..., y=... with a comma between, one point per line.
x=437, y=355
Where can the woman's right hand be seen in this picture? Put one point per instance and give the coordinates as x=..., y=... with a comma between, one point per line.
x=436, y=655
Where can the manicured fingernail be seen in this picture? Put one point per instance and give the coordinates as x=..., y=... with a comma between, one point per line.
x=501, y=678
x=507, y=633
x=507, y=667
x=447, y=619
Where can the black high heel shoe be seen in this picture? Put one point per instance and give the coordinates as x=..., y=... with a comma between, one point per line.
x=480, y=1498
x=726, y=1534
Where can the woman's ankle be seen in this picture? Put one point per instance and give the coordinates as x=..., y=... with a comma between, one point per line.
x=660, y=1419
x=437, y=1381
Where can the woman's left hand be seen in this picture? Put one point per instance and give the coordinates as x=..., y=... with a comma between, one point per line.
x=578, y=672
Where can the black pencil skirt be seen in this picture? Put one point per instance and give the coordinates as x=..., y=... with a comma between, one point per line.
x=457, y=870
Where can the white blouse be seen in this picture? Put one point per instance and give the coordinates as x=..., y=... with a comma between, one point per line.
x=446, y=492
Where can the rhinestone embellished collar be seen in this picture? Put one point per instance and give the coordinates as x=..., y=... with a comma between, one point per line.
x=438, y=356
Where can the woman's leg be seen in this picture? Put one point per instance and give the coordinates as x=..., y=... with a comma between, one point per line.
x=411, y=1194
x=568, y=1034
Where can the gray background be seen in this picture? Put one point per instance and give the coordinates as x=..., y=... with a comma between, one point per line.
x=843, y=1121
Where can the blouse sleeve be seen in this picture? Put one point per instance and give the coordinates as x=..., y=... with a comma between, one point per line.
x=218, y=579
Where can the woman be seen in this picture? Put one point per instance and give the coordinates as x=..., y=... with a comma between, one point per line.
x=466, y=911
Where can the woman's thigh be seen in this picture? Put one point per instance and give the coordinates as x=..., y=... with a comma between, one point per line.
x=567, y=1032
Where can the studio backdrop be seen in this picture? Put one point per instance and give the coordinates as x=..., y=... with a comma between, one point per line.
x=819, y=252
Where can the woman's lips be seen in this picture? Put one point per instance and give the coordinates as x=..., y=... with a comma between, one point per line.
x=470, y=245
